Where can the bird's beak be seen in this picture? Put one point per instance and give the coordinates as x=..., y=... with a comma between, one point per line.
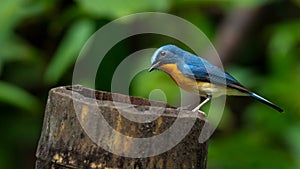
x=154, y=66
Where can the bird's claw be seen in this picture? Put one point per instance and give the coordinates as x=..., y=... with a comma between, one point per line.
x=201, y=114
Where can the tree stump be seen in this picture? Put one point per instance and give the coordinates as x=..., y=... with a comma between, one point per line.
x=72, y=134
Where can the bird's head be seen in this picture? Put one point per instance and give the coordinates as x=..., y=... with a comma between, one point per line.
x=168, y=54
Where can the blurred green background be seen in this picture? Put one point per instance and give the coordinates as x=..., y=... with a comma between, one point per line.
x=258, y=42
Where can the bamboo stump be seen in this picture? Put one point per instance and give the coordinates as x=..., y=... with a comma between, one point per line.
x=65, y=142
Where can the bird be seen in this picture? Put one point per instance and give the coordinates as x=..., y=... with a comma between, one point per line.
x=198, y=76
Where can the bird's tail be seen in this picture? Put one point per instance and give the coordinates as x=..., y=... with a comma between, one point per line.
x=265, y=101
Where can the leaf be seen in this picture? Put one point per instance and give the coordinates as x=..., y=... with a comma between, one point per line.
x=250, y=3
x=18, y=97
x=293, y=138
x=117, y=8
x=13, y=12
x=15, y=49
x=283, y=47
x=68, y=50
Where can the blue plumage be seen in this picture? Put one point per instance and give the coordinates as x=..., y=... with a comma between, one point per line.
x=195, y=68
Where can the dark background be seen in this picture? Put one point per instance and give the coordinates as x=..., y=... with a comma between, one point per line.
x=258, y=42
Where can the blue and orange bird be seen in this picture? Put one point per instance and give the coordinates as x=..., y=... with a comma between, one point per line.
x=197, y=75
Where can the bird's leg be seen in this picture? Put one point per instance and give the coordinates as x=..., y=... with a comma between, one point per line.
x=202, y=103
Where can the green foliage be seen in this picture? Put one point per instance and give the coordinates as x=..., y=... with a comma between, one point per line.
x=11, y=94
x=116, y=9
x=68, y=50
x=40, y=42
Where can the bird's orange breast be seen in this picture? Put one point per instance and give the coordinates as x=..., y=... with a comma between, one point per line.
x=194, y=86
x=185, y=83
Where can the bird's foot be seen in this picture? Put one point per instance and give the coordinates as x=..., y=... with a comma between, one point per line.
x=201, y=104
x=201, y=114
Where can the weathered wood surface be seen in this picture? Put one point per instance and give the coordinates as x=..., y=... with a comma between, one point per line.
x=64, y=142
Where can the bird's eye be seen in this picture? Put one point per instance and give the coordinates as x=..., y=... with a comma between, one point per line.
x=162, y=53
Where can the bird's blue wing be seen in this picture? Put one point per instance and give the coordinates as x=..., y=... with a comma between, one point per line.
x=201, y=70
